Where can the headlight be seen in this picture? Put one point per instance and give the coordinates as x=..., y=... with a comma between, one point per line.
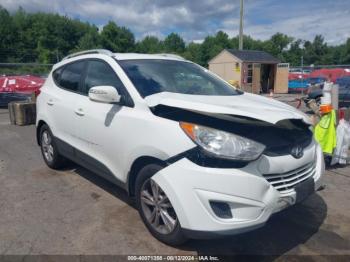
x=223, y=144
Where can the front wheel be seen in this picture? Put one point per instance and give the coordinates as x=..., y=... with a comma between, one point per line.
x=156, y=209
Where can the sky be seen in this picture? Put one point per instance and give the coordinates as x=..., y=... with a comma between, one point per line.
x=196, y=19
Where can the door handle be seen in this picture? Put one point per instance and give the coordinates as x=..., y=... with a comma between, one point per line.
x=50, y=102
x=79, y=112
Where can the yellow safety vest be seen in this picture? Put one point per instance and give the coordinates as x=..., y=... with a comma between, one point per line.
x=325, y=132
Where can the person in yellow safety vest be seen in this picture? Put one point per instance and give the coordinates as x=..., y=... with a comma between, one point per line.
x=325, y=132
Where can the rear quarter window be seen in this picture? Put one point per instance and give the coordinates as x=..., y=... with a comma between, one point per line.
x=56, y=75
x=69, y=76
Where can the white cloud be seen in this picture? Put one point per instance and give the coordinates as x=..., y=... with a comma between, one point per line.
x=334, y=26
x=198, y=41
x=195, y=19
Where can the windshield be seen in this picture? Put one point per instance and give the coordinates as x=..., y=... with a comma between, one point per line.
x=155, y=76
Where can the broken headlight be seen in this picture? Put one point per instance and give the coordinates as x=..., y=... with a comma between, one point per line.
x=223, y=144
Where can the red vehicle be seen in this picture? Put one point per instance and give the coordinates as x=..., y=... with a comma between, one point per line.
x=333, y=74
x=296, y=76
x=18, y=88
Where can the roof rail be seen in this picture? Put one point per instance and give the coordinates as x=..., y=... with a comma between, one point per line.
x=171, y=55
x=92, y=51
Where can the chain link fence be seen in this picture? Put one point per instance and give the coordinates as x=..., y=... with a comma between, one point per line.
x=316, y=67
x=36, y=69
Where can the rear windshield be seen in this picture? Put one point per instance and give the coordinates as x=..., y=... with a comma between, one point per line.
x=153, y=76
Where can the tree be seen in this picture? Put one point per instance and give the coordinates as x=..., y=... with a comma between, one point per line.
x=117, y=39
x=222, y=39
x=277, y=45
x=317, y=52
x=193, y=53
x=173, y=43
x=213, y=45
x=209, y=48
x=346, y=56
x=7, y=38
x=150, y=44
x=295, y=52
x=91, y=40
x=46, y=38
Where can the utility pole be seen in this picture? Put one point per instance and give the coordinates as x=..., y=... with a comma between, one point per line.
x=241, y=27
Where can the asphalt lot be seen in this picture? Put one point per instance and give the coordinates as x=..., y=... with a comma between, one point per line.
x=75, y=212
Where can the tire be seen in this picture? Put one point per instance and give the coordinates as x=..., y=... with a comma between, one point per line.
x=169, y=232
x=49, y=149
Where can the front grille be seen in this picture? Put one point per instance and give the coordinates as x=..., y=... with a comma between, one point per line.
x=286, y=181
x=285, y=149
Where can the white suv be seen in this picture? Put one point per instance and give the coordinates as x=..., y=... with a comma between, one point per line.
x=200, y=157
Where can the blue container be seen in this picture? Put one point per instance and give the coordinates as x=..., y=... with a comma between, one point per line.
x=297, y=85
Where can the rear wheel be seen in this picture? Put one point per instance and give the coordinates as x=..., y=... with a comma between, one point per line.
x=49, y=149
x=156, y=209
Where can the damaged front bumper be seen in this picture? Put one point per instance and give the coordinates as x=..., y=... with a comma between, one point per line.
x=249, y=192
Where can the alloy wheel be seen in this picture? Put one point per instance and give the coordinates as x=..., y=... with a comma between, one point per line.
x=157, y=208
x=46, y=143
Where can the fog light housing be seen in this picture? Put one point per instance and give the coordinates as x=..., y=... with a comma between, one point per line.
x=221, y=209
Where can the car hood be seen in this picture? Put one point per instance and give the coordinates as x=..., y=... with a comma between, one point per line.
x=245, y=105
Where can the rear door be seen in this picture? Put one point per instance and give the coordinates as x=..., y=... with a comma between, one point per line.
x=61, y=102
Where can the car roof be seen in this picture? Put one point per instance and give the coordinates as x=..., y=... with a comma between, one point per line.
x=133, y=56
x=118, y=56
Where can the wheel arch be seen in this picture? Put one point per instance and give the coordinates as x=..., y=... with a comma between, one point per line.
x=39, y=125
x=136, y=166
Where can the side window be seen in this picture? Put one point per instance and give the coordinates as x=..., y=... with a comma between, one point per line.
x=99, y=73
x=70, y=76
x=57, y=74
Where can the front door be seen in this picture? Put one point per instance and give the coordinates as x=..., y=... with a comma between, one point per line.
x=101, y=124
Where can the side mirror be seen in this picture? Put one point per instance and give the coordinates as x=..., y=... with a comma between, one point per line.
x=104, y=94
